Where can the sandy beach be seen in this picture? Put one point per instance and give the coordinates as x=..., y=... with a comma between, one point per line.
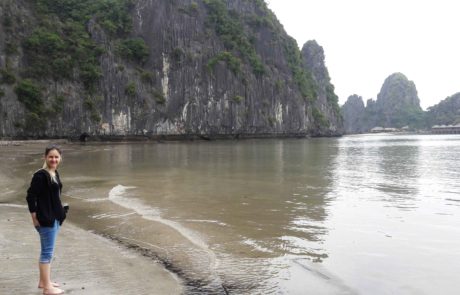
x=84, y=263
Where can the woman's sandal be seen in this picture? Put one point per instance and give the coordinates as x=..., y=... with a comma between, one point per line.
x=52, y=284
x=54, y=291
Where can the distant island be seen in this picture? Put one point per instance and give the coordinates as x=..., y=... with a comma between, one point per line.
x=397, y=109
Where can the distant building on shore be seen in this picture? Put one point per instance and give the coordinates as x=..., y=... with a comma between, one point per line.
x=379, y=129
x=446, y=129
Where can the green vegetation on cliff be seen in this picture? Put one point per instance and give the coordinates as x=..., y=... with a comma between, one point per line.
x=62, y=43
x=233, y=62
x=229, y=28
x=447, y=112
x=112, y=15
x=7, y=77
x=301, y=76
x=332, y=97
x=30, y=95
x=134, y=49
x=47, y=55
x=320, y=119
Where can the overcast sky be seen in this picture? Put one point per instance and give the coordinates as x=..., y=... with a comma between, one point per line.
x=366, y=41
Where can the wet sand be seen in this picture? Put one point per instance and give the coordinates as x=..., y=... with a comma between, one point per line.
x=84, y=263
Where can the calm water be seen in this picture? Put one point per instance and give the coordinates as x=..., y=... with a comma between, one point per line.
x=368, y=214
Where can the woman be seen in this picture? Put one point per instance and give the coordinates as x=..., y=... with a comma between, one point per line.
x=43, y=199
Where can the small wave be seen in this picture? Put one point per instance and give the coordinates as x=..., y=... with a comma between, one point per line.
x=207, y=221
x=256, y=246
x=97, y=200
x=114, y=215
x=118, y=195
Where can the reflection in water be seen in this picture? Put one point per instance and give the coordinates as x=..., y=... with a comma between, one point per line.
x=391, y=169
x=391, y=226
x=338, y=216
x=249, y=201
x=398, y=167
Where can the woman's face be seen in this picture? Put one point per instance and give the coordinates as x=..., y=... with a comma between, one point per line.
x=53, y=158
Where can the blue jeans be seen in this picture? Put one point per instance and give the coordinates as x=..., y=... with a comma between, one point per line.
x=47, y=240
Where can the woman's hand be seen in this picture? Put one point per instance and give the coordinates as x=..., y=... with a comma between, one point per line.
x=34, y=219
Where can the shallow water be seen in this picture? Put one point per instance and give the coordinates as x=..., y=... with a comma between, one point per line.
x=367, y=214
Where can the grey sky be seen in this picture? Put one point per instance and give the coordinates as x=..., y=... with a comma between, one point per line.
x=366, y=41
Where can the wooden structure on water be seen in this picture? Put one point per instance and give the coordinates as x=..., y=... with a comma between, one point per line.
x=446, y=129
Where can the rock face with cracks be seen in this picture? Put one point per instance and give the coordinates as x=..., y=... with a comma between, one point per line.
x=158, y=68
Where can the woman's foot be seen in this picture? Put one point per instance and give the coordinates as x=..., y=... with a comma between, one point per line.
x=41, y=286
x=53, y=291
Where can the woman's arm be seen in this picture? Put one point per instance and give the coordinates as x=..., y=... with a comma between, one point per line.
x=32, y=197
x=34, y=219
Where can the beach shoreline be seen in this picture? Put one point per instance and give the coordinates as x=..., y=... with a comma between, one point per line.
x=84, y=262
x=156, y=138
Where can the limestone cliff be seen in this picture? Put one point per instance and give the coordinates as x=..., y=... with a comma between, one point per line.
x=398, y=103
x=397, y=106
x=153, y=67
x=353, y=112
x=325, y=109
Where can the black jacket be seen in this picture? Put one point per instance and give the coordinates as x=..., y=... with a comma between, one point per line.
x=42, y=199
